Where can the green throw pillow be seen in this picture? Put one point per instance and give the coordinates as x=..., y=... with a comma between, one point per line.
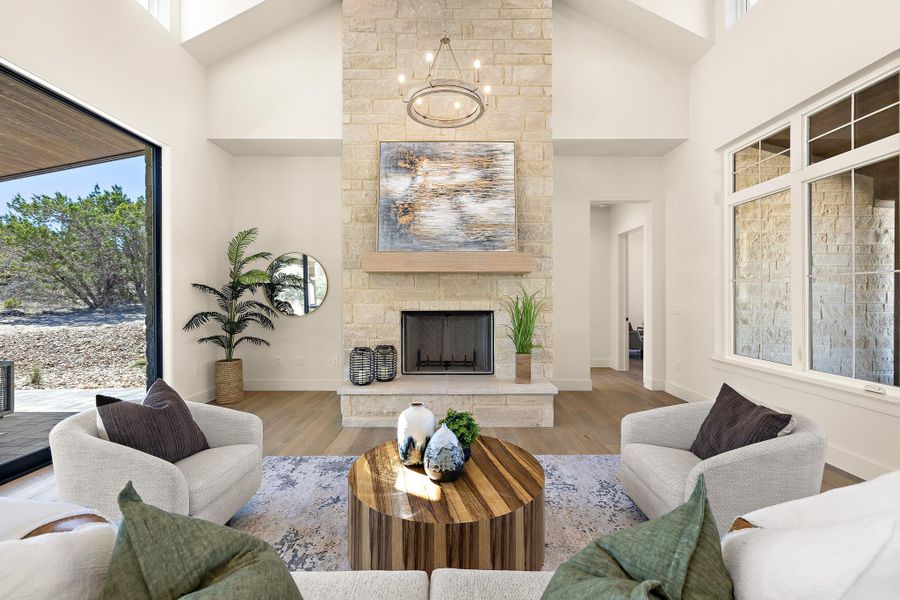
x=674, y=557
x=160, y=555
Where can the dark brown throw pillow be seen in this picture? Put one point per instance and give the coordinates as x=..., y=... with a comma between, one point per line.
x=162, y=425
x=735, y=422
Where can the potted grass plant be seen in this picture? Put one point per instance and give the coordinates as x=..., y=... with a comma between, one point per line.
x=235, y=314
x=524, y=311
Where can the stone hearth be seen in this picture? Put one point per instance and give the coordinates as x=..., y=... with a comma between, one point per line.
x=496, y=402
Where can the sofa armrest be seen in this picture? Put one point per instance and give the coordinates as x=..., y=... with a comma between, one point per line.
x=226, y=426
x=669, y=426
x=91, y=471
x=762, y=474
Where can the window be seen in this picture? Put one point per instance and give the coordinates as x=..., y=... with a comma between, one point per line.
x=814, y=253
x=735, y=9
x=762, y=160
x=853, y=272
x=762, y=278
x=160, y=9
x=859, y=119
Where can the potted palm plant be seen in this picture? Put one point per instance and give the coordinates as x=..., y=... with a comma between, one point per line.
x=235, y=314
x=524, y=311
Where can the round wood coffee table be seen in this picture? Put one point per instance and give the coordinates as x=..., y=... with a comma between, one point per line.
x=492, y=517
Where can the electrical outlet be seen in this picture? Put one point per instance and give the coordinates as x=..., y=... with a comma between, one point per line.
x=277, y=361
x=677, y=366
x=195, y=370
x=334, y=360
x=299, y=361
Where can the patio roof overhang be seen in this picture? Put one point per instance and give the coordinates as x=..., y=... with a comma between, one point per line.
x=41, y=134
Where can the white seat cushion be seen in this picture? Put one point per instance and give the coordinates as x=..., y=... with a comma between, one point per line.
x=488, y=585
x=664, y=470
x=211, y=473
x=69, y=565
x=878, y=496
x=362, y=585
x=853, y=560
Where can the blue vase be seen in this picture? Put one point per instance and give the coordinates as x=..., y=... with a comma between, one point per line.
x=444, y=458
x=414, y=428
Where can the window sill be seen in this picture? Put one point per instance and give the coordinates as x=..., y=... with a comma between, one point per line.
x=833, y=387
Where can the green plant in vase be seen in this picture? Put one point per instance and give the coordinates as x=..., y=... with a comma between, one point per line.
x=524, y=311
x=463, y=425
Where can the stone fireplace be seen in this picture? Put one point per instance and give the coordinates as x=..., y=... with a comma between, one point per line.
x=447, y=342
x=513, y=41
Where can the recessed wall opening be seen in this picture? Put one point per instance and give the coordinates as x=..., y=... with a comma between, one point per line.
x=447, y=342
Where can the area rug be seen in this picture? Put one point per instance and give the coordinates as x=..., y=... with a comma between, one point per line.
x=301, y=508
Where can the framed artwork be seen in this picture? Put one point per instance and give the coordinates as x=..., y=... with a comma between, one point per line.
x=447, y=197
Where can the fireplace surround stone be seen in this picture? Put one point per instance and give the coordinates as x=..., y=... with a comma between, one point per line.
x=495, y=402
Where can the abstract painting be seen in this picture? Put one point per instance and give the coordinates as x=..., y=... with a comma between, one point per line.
x=447, y=196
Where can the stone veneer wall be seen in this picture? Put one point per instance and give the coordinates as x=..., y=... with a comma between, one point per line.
x=762, y=308
x=383, y=38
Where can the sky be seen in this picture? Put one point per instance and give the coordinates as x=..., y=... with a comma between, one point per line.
x=127, y=173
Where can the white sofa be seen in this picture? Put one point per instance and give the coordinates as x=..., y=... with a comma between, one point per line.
x=842, y=544
x=659, y=471
x=212, y=484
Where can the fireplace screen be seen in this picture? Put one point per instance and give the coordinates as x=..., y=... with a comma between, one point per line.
x=458, y=342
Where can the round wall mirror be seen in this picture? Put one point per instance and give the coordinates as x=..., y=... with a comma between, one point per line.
x=297, y=284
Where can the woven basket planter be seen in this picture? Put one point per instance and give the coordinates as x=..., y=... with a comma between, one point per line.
x=229, y=381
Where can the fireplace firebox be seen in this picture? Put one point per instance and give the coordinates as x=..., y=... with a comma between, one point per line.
x=447, y=342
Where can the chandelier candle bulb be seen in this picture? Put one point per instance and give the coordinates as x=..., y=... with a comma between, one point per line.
x=429, y=57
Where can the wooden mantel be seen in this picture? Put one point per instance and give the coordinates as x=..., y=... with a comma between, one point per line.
x=447, y=262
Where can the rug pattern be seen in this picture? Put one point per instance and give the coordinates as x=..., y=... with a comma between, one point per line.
x=301, y=508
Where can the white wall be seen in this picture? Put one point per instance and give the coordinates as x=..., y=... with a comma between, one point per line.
x=198, y=16
x=768, y=80
x=296, y=203
x=287, y=86
x=580, y=181
x=114, y=57
x=608, y=86
x=636, y=278
x=600, y=287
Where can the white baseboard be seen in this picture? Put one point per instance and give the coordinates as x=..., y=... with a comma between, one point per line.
x=854, y=463
x=654, y=385
x=574, y=385
x=204, y=396
x=291, y=385
x=684, y=393
x=601, y=363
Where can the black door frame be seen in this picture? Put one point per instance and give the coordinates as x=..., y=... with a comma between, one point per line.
x=153, y=307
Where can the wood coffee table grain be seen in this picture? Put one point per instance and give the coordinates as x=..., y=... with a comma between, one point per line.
x=492, y=517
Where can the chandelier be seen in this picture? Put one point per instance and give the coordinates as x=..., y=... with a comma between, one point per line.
x=445, y=103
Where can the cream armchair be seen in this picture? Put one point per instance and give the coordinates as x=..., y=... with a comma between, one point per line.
x=659, y=471
x=212, y=484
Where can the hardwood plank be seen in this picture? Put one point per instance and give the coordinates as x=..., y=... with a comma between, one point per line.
x=309, y=423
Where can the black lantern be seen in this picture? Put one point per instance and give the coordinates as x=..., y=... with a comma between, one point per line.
x=362, y=366
x=7, y=385
x=385, y=362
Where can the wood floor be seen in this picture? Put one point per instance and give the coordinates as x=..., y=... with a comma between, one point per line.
x=309, y=423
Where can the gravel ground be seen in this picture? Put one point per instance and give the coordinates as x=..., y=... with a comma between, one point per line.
x=83, y=356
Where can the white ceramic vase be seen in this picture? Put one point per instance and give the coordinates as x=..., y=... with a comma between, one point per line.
x=444, y=459
x=414, y=429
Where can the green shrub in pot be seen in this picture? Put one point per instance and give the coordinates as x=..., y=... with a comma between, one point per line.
x=463, y=425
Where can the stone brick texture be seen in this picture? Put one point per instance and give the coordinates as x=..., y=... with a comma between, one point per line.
x=383, y=38
x=852, y=268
